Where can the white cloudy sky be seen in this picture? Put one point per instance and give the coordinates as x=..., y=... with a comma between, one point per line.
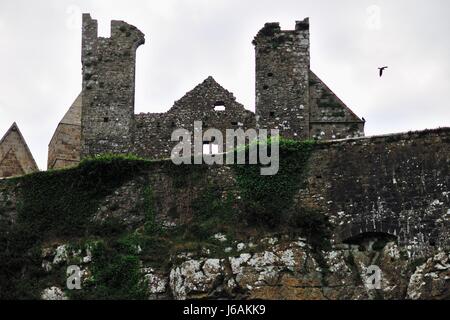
x=40, y=69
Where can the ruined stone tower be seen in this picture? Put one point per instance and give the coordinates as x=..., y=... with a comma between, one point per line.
x=108, y=87
x=282, y=79
x=289, y=97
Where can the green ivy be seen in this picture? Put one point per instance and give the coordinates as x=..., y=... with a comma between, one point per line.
x=58, y=204
x=149, y=207
x=115, y=275
x=267, y=200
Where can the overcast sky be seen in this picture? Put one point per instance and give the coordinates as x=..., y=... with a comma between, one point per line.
x=186, y=41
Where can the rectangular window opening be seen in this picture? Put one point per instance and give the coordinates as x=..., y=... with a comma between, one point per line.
x=219, y=106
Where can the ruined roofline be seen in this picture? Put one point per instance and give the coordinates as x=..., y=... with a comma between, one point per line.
x=300, y=25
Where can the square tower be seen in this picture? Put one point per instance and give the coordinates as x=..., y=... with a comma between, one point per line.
x=282, y=79
x=107, y=120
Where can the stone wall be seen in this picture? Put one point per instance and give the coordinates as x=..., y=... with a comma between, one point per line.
x=108, y=87
x=282, y=79
x=289, y=96
x=392, y=190
x=396, y=185
x=153, y=131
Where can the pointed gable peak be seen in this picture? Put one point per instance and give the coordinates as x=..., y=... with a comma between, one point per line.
x=73, y=115
x=209, y=83
x=14, y=141
x=204, y=96
x=210, y=79
x=13, y=128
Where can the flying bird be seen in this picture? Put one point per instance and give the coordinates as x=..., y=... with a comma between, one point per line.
x=381, y=70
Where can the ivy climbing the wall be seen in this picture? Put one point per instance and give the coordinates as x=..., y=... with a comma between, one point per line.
x=268, y=201
x=58, y=205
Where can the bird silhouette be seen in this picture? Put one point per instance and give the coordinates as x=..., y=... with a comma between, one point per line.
x=381, y=70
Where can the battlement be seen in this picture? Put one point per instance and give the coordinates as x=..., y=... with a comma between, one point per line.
x=273, y=29
x=302, y=25
x=119, y=29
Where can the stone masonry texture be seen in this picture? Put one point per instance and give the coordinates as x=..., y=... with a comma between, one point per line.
x=15, y=156
x=289, y=97
x=108, y=87
x=396, y=184
x=392, y=187
x=64, y=148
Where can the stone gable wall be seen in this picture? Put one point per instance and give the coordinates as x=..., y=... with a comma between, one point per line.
x=65, y=147
x=330, y=118
x=15, y=157
x=153, y=131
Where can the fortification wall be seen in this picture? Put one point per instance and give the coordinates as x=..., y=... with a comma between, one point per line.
x=396, y=185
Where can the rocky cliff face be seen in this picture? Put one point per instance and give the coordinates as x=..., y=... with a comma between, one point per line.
x=276, y=268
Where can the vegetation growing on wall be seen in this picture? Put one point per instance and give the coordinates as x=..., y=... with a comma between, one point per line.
x=58, y=205
x=115, y=272
x=268, y=201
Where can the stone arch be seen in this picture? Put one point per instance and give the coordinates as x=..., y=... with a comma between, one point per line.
x=369, y=233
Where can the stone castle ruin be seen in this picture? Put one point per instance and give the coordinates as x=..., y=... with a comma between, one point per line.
x=289, y=97
x=355, y=202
